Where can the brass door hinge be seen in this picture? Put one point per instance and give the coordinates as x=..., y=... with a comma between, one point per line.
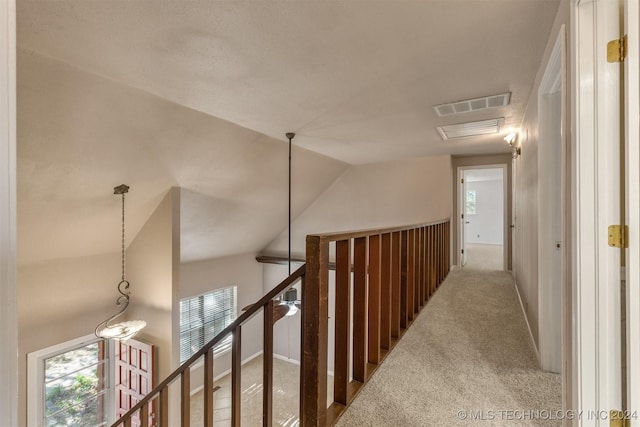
x=462, y=181
x=618, y=419
x=618, y=236
x=617, y=50
x=463, y=251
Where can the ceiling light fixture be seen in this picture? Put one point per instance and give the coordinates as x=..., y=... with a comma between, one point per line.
x=511, y=138
x=475, y=104
x=124, y=330
x=464, y=130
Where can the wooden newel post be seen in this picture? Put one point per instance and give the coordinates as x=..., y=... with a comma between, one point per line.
x=315, y=313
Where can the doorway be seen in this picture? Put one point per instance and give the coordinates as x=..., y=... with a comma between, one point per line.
x=482, y=217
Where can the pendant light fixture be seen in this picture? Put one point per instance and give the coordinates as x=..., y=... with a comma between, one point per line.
x=121, y=331
x=290, y=297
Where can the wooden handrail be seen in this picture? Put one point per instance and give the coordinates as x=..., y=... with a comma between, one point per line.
x=378, y=294
x=394, y=271
x=248, y=314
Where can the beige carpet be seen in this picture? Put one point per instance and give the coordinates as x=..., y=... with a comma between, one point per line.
x=484, y=257
x=469, y=350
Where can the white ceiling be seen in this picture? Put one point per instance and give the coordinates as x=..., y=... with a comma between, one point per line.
x=104, y=80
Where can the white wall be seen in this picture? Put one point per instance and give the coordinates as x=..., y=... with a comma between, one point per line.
x=242, y=271
x=375, y=195
x=8, y=314
x=486, y=225
x=525, y=193
x=153, y=268
x=370, y=196
x=62, y=300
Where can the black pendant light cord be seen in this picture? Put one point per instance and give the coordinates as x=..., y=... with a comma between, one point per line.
x=290, y=136
x=123, y=286
x=123, y=279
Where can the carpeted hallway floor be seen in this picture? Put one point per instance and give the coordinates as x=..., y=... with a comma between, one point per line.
x=484, y=257
x=467, y=355
x=466, y=360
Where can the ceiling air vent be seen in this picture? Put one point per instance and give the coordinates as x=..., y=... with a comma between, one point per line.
x=475, y=104
x=463, y=130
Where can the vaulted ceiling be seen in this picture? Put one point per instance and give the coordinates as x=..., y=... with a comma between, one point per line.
x=199, y=94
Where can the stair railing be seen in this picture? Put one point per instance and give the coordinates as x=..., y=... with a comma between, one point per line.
x=394, y=272
x=153, y=410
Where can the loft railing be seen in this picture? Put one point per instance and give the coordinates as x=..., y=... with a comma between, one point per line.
x=394, y=272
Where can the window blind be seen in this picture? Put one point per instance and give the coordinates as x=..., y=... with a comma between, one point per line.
x=203, y=317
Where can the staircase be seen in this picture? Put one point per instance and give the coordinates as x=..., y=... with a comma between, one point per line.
x=393, y=273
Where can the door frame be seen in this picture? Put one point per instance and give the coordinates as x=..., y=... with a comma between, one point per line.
x=596, y=382
x=632, y=138
x=552, y=157
x=505, y=210
x=8, y=254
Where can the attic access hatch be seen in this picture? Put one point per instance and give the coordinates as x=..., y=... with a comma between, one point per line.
x=464, y=130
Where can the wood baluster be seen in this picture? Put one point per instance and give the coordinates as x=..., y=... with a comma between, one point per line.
x=437, y=254
x=373, y=326
x=441, y=252
x=395, y=285
x=144, y=416
x=208, y=389
x=185, y=397
x=163, y=407
x=425, y=287
x=385, y=292
x=342, y=322
x=236, y=377
x=267, y=366
x=419, y=300
x=411, y=275
x=404, y=276
x=417, y=303
x=315, y=291
x=359, y=308
x=432, y=258
x=446, y=249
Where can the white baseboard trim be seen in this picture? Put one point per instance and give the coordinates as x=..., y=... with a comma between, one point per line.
x=294, y=361
x=486, y=243
x=286, y=359
x=228, y=371
x=526, y=320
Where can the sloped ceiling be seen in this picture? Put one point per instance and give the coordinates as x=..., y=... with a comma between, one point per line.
x=81, y=135
x=198, y=94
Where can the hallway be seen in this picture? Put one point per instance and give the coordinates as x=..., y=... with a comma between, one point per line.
x=469, y=350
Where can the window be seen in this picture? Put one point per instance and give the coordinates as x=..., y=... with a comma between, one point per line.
x=471, y=202
x=203, y=317
x=70, y=385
